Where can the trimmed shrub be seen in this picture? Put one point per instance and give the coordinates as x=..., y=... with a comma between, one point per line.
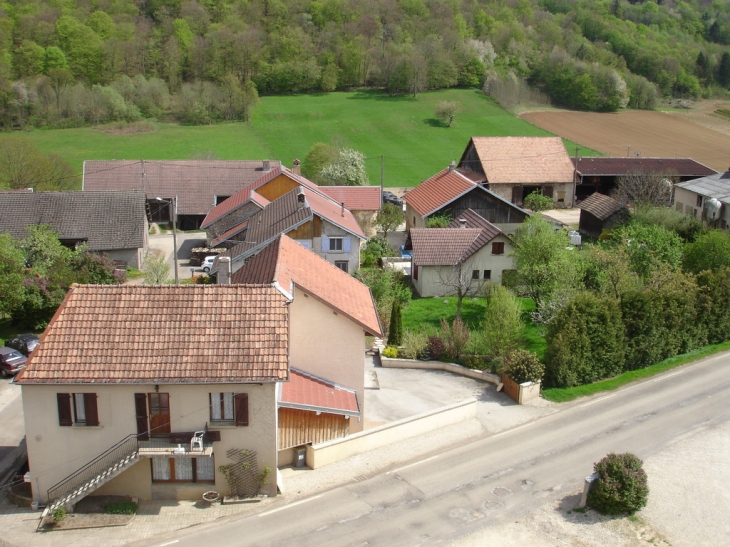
x=395, y=331
x=476, y=362
x=622, y=486
x=535, y=201
x=391, y=352
x=714, y=311
x=523, y=366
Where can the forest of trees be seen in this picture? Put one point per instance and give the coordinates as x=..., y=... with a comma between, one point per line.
x=72, y=62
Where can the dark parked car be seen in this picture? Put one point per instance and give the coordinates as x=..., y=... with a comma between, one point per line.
x=24, y=343
x=390, y=197
x=11, y=362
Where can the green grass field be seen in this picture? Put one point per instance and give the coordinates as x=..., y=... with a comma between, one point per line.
x=402, y=129
x=430, y=311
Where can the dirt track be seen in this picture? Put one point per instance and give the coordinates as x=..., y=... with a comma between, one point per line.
x=654, y=134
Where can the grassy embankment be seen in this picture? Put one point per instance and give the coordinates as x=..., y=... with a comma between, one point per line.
x=403, y=129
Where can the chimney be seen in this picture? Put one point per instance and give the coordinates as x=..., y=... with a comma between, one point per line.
x=296, y=167
x=224, y=270
x=462, y=223
x=267, y=167
x=343, y=208
x=452, y=166
x=300, y=200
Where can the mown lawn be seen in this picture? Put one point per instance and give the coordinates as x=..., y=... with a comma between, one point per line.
x=430, y=311
x=403, y=129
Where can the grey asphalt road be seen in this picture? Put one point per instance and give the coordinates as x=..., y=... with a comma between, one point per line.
x=450, y=495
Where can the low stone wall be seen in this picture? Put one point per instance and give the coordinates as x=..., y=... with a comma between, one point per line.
x=321, y=454
x=386, y=362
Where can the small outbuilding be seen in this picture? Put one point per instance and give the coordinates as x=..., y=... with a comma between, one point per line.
x=599, y=212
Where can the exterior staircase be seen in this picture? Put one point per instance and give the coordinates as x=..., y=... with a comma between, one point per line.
x=94, y=474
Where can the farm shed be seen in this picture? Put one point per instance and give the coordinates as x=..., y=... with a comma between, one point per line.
x=601, y=174
x=708, y=197
x=599, y=213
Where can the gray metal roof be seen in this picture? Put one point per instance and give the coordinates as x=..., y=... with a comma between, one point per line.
x=105, y=219
x=714, y=186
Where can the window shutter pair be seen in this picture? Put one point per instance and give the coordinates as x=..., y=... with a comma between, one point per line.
x=325, y=244
x=65, y=417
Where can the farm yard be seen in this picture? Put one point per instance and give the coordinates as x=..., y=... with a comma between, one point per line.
x=405, y=130
x=654, y=134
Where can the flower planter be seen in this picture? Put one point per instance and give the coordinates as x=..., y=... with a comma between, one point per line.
x=211, y=496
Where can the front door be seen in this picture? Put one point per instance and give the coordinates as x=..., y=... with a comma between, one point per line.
x=159, y=413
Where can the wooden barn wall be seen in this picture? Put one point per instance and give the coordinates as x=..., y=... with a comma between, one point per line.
x=590, y=224
x=489, y=207
x=298, y=427
x=277, y=187
x=310, y=230
x=471, y=161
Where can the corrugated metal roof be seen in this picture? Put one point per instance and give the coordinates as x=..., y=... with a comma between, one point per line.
x=715, y=186
x=682, y=167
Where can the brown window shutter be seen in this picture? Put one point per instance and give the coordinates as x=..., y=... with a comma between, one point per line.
x=92, y=413
x=241, y=406
x=64, y=409
x=140, y=406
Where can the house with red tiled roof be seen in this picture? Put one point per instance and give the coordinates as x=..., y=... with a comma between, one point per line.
x=468, y=253
x=453, y=191
x=513, y=167
x=314, y=220
x=147, y=391
x=166, y=392
x=225, y=222
x=323, y=299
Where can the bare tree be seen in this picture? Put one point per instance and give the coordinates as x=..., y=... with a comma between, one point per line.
x=155, y=269
x=645, y=188
x=462, y=279
x=446, y=111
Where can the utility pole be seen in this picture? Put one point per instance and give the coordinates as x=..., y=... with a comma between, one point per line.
x=575, y=177
x=382, y=177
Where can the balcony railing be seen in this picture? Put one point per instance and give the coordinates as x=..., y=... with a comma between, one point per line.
x=176, y=445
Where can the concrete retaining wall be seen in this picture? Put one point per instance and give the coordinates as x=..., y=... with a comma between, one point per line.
x=521, y=393
x=328, y=452
x=438, y=365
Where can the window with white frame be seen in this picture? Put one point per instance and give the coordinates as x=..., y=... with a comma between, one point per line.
x=183, y=469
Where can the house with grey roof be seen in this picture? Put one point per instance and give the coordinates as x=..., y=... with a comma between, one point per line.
x=108, y=222
x=468, y=253
x=706, y=197
x=194, y=186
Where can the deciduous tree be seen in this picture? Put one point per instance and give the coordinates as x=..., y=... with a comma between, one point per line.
x=446, y=111
x=389, y=218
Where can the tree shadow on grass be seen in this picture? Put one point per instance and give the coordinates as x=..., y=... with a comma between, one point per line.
x=380, y=95
x=433, y=122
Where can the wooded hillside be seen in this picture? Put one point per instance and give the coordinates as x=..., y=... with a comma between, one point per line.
x=71, y=62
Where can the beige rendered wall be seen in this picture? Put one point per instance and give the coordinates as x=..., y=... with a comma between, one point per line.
x=429, y=282
x=688, y=201
x=366, y=220
x=328, y=344
x=413, y=218
x=54, y=452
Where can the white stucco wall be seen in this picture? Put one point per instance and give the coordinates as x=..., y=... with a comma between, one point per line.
x=56, y=451
x=353, y=257
x=429, y=281
x=685, y=202
x=328, y=344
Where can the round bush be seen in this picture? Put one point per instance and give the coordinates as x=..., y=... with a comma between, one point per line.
x=523, y=366
x=622, y=486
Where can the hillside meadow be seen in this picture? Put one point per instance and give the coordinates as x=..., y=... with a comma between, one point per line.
x=403, y=129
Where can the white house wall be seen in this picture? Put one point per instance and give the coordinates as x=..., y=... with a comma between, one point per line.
x=55, y=451
x=328, y=344
x=429, y=281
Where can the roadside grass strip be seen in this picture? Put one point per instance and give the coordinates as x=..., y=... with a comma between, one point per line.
x=565, y=394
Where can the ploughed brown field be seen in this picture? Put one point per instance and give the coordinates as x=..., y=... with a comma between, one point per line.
x=654, y=134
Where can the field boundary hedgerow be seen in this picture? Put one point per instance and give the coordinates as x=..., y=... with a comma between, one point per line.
x=563, y=395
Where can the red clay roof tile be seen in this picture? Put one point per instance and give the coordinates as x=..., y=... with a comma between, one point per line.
x=435, y=192
x=309, y=392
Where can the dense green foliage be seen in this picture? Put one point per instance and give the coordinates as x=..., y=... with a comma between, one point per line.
x=523, y=366
x=37, y=272
x=585, y=342
x=376, y=248
x=710, y=251
x=622, y=486
x=121, y=508
x=537, y=202
x=71, y=63
x=503, y=323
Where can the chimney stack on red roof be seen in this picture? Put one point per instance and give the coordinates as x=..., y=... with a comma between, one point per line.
x=462, y=222
x=343, y=208
x=296, y=167
x=452, y=166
